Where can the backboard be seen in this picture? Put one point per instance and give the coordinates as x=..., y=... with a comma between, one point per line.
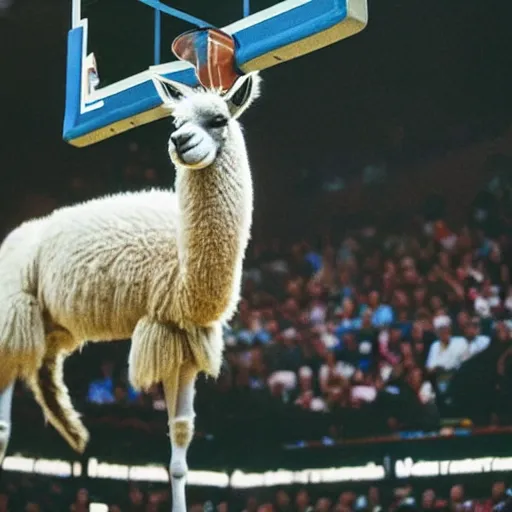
x=268, y=33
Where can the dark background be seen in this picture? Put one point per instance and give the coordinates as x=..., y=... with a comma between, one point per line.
x=421, y=67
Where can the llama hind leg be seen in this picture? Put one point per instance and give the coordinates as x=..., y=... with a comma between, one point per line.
x=5, y=419
x=22, y=346
x=51, y=392
x=180, y=394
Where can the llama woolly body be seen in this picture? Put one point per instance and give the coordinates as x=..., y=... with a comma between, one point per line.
x=98, y=267
x=162, y=267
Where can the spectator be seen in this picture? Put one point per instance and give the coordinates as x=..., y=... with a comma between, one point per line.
x=363, y=389
x=487, y=301
x=251, y=505
x=333, y=372
x=374, y=503
x=346, y=501
x=444, y=358
x=382, y=314
x=255, y=332
x=306, y=398
x=423, y=392
x=81, y=503
x=323, y=505
x=447, y=353
x=283, y=502
x=498, y=496
x=302, y=502
x=463, y=318
x=367, y=341
x=457, y=499
x=157, y=398
x=410, y=401
x=419, y=343
x=498, y=493
x=135, y=500
x=476, y=342
x=101, y=391
x=428, y=500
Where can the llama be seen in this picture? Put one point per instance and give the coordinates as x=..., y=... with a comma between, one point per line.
x=161, y=267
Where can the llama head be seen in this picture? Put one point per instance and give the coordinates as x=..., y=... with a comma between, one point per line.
x=203, y=119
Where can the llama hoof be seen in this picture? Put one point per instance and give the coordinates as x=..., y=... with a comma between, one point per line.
x=80, y=440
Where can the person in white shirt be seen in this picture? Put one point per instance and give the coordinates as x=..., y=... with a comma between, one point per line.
x=476, y=342
x=333, y=368
x=487, y=300
x=448, y=352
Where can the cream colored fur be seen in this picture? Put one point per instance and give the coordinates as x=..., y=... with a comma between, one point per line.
x=162, y=266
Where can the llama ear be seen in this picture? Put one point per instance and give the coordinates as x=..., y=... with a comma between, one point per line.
x=241, y=95
x=170, y=92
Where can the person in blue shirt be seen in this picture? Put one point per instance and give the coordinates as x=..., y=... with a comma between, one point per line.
x=382, y=313
x=101, y=391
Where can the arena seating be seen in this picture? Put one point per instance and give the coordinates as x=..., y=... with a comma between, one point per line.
x=382, y=327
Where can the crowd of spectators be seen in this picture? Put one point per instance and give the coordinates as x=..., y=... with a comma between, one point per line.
x=25, y=496
x=412, y=325
x=382, y=327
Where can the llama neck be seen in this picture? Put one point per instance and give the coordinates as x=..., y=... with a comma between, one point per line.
x=216, y=215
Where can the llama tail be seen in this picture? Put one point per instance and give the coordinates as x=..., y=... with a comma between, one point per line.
x=52, y=395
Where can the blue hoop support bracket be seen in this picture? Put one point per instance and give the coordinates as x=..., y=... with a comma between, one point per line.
x=156, y=4
x=247, y=8
x=157, y=37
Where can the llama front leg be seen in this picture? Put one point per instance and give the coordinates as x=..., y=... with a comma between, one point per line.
x=181, y=425
x=5, y=419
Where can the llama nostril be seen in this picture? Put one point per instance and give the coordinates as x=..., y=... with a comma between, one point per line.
x=179, y=139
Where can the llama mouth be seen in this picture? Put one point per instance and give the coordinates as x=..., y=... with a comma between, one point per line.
x=195, y=157
x=183, y=151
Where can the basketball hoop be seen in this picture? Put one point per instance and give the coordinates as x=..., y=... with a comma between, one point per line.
x=212, y=53
x=211, y=57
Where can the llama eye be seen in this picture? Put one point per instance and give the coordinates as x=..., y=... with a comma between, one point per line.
x=218, y=121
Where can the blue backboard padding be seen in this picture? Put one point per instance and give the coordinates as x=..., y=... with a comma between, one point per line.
x=289, y=27
x=123, y=105
x=73, y=78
